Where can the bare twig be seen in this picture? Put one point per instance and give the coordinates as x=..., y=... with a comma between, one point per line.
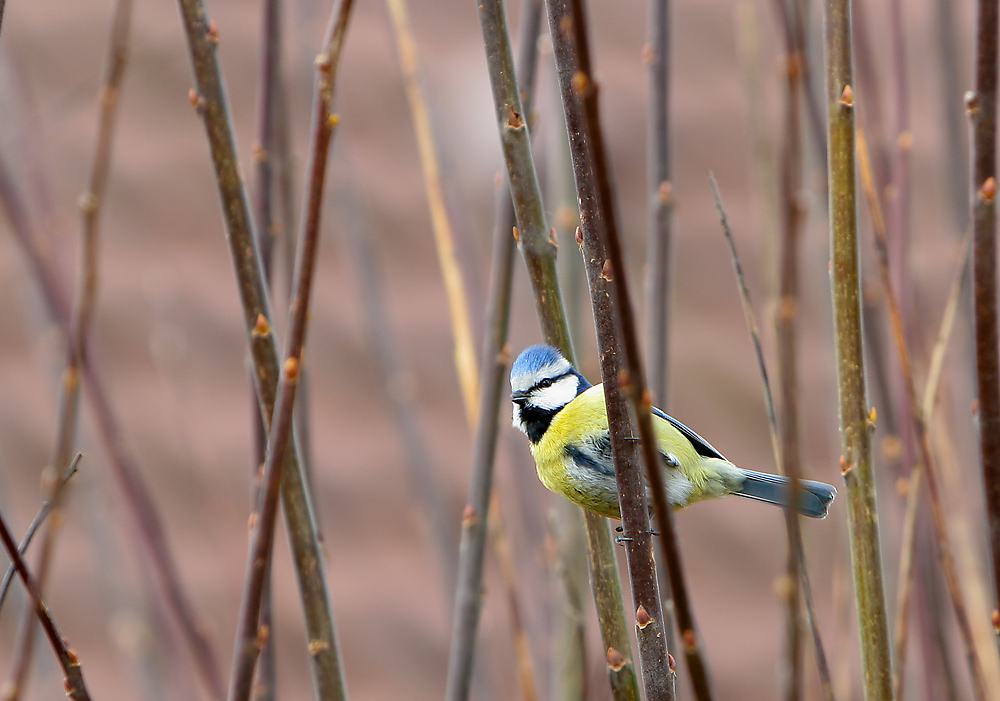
x=84, y=300
x=267, y=105
x=37, y=521
x=856, y=460
x=791, y=12
x=660, y=198
x=248, y=637
x=494, y=362
x=264, y=158
x=923, y=445
x=538, y=250
x=791, y=218
x=209, y=99
x=616, y=334
x=137, y=496
x=748, y=313
x=465, y=352
x=570, y=661
x=75, y=687
x=569, y=644
x=982, y=106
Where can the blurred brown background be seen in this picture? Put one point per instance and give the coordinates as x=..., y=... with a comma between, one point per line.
x=169, y=340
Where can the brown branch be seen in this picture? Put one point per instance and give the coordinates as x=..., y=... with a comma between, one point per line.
x=267, y=99
x=660, y=198
x=617, y=335
x=209, y=99
x=920, y=432
x=137, y=496
x=75, y=687
x=794, y=542
x=856, y=460
x=538, y=250
x=38, y=520
x=84, y=300
x=791, y=225
x=982, y=106
x=249, y=636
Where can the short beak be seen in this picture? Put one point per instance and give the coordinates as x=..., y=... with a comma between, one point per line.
x=519, y=397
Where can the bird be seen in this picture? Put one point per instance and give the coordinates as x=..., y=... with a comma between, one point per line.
x=566, y=422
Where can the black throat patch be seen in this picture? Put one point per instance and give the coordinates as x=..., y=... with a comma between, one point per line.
x=535, y=421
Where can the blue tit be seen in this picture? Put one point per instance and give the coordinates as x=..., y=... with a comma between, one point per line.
x=566, y=421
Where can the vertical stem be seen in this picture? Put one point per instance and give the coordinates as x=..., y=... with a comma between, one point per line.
x=75, y=687
x=856, y=461
x=84, y=301
x=270, y=65
x=538, y=249
x=982, y=108
x=494, y=363
x=567, y=26
x=660, y=202
x=210, y=101
x=444, y=240
x=785, y=332
x=249, y=636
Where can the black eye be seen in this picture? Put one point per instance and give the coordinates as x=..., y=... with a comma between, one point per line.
x=542, y=384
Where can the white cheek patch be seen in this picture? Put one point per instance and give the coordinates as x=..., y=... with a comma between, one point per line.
x=517, y=420
x=557, y=395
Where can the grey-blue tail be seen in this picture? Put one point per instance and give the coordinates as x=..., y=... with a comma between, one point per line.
x=814, y=497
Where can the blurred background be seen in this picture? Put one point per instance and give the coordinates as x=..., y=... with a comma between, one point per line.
x=169, y=342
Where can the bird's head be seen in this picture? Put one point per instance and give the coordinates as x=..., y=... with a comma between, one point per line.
x=542, y=382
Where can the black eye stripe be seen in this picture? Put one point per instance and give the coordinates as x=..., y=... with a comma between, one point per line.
x=549, y=381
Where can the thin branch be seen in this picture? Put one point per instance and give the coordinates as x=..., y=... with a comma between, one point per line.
x=209, y=99
x=40, y=517
x=982, y=106
x=795, y=542
x=791, y=218
x=538, y=249
x=616, y=334
x=392, y=365
x=532, y=234
x=465, y=351
x=465, y=359
x=84, y=301
x=856, y=460
x=270, y=68
x=920, y=432
x=660, y=198
x=248, y=637
x=786, y=11
x=267, y=99
x=523, y=660
x=137, y=495
x=569, y=643
x=75, y=687
x=494, y=362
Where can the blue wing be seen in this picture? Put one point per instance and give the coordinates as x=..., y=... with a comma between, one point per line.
x=703, y=447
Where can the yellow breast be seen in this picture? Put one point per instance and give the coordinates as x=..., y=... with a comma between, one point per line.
x=585, y=418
